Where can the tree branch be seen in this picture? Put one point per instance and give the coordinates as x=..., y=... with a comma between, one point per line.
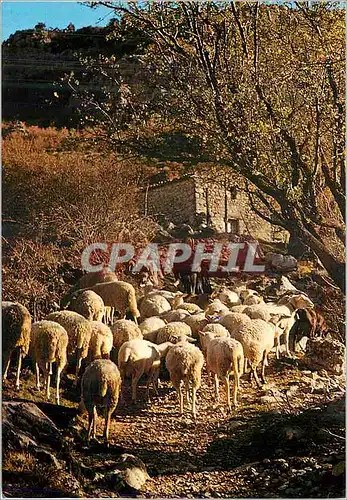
x=240, y=28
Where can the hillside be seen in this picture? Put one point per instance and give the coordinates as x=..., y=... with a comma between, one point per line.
x=34, y=62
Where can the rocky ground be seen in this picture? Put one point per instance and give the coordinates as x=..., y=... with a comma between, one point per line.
x=286, y=440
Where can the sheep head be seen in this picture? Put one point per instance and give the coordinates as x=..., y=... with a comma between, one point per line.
x=301, y=302
x=164, y=348
x=178, y=300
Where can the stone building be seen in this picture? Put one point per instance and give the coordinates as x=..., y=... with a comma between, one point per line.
x=192, y=199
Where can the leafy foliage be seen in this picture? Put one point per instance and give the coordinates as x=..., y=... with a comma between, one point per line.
x=259, y=88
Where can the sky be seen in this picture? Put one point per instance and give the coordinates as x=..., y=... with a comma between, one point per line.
x=24, y=15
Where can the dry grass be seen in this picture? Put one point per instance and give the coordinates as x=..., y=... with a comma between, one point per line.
x=19, y=461
x=58, y=197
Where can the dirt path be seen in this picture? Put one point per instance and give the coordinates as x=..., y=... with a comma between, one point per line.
x=251, y=452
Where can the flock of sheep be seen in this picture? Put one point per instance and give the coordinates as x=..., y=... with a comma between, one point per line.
x=232, y=328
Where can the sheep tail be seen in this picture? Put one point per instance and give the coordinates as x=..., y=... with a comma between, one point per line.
x=52, y=347
x=194, y=375
x=126, y=357
x=103, y=388
x=132, y=304
x=266, y=363
x=123, y=362
x=26, y=334
x=241, y=362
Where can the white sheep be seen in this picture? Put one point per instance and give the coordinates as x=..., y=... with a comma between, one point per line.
x=86, y=281
x=119, y=295
x=101, y=383
x=225, y=355
x=16, y=328
x=190, y=307
x=79, y=331
x=150, y=326
x=206, y=336
x=175, y=315
x=252, y=297
x=258, y=311
x=91, y=279
x=184, y=362
x=238, y=309
x=89, y=304
x=196, y=323
x=174, y=298
x=282, y=314
x=216, y=328
x=124, y=330
x=101, y=341
x=257, y=338
x=233, y=320
x=174, y=332
x=138, y=357
x=153, y=305
x=216, y=308
x=49, y=345
x=227, y=297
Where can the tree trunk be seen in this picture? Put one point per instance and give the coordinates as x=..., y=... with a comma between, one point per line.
x=334, y=267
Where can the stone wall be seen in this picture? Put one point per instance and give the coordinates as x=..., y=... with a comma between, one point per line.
x=180, y=201
x=175, y=200
x=236, y=207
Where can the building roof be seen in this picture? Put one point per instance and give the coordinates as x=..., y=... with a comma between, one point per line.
x=183, y=177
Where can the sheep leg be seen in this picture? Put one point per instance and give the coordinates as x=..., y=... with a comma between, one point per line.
x=180, y=396
x=264, y=363
x=112, y=315
x=48, y=379
x=216, y=386
x=134, y=381
x=37, y=371
x=91, y=422
x=19, y=366
x=209, y=373
x=78, y=365
x=227, y=386
x=95, y=417
x=59, y=370
x=245, y=365
x=286, y=336
x=108, y=415
x=106, y=315
x=194, y=389
x=236, y=385
x=254, y=371
x=188, y=397
x=187, y=392
x=4, y=377
x=277, y=341
x=154, y=379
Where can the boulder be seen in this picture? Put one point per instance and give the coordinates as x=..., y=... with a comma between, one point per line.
x=279, y=262
x=25, y=426
x=325, y=353
x=28, y=432
x=129, y=473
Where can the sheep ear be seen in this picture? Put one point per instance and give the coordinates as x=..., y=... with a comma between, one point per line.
x=191, y=339
x=202, y=333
